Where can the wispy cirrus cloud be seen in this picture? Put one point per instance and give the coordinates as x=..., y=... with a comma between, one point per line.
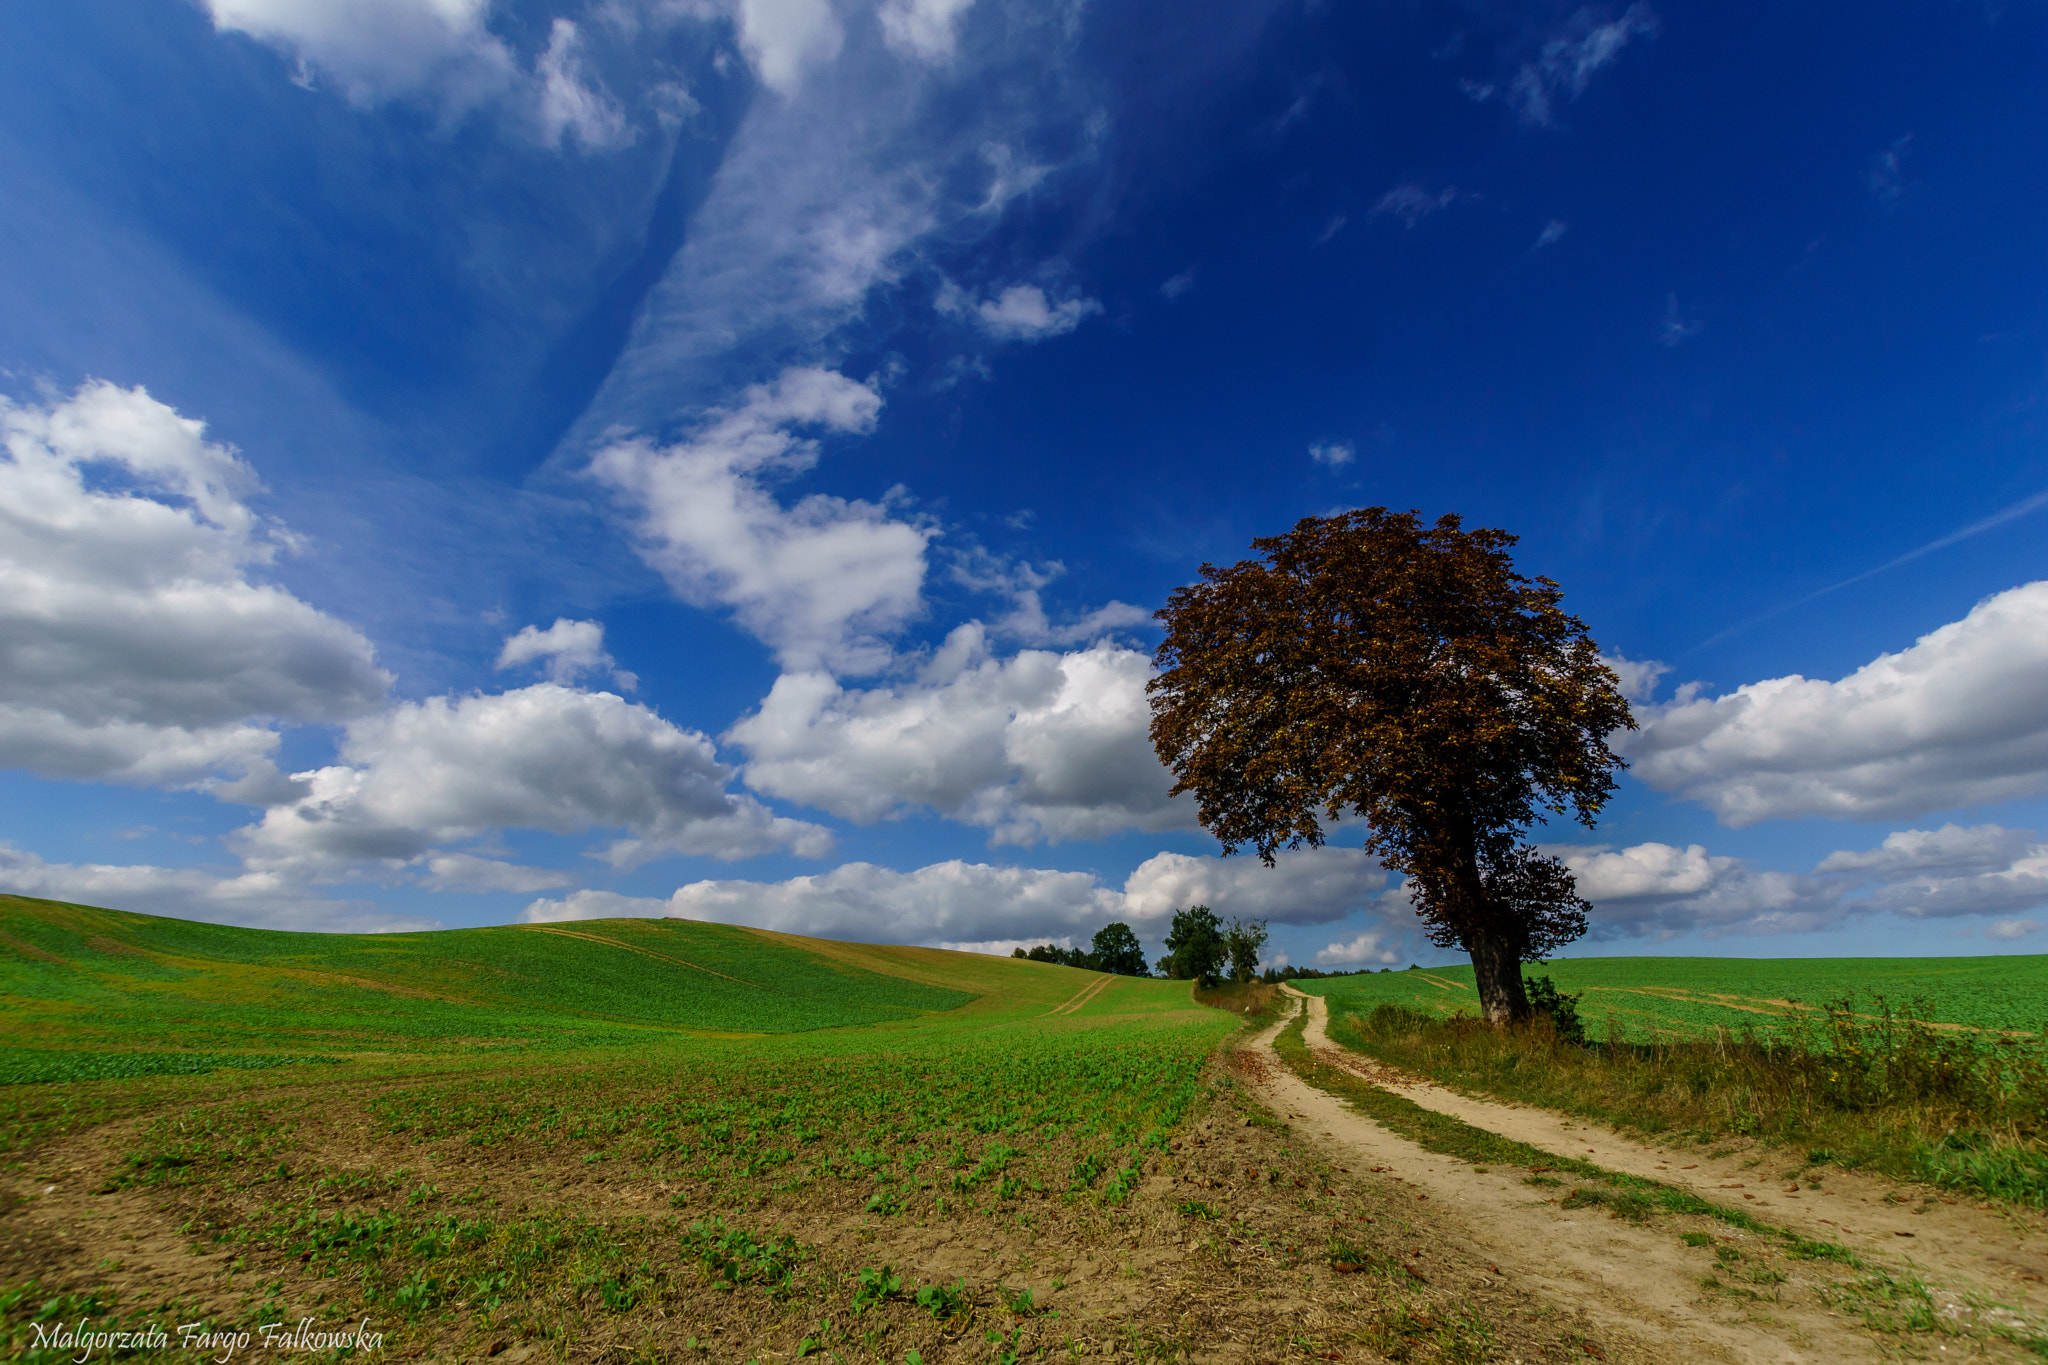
x=1567, y=62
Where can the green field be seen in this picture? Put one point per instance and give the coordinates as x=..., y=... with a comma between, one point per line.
x=87, y=981
x=1666, y=997
x=604, y=1130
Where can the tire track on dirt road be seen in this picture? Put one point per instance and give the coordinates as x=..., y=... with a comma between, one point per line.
x=1638, y=1281
x=1965, y=1246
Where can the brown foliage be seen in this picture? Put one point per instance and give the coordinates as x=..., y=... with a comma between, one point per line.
x=1369, y=666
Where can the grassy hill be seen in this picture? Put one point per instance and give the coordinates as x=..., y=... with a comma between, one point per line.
x=1684, y=996
x=89, y=992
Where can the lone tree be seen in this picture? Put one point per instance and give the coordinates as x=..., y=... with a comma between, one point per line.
x=1244, y=940
x=1195, y=948
x=1367, y=665
x=1116, y=949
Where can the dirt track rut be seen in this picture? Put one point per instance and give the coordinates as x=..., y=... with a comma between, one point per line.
x=1638, y=1280
x=1966, y=1246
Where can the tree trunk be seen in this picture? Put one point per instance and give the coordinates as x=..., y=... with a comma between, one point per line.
x=1497, y=971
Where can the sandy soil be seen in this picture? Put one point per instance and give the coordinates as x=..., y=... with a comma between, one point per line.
x=1638, y=1280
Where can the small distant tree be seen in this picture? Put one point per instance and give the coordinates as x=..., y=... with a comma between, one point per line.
x=1195, y=950
x=1244, y=940
x=1366, y=665
x=1116, y=949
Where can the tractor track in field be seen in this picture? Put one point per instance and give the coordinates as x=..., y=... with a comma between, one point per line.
x=1080, y=998
x=1641, y=1280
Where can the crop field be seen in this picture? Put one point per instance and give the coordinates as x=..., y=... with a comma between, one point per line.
x=669, y=1141
x=1677, y=997
x=74, y=977
x=666, y=1141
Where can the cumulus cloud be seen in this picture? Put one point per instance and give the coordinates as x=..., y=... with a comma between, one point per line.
x=1658, y=890
x=258, y=900
x=1958, y=719
x=1176, y=285
x=467, y=872
x=823, y=582
x=959, y=902
x=1553, y=232
x=1333, y=454
x=546, y=757
x=2015, y=928
x=134, y=646
x=568, y=649
x=1020, y=313
x=1569, y=60
x=377, y=49
x=1040, y=746
x=1370, y=946
x=1638, y=677
x=1982, y=870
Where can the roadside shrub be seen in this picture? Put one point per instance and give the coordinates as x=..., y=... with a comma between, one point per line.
x=1560, y=1007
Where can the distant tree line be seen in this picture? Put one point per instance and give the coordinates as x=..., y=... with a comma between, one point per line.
x=1115, y=949
x=1200, y=947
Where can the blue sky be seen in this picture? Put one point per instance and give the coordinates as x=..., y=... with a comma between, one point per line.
x=471, y=462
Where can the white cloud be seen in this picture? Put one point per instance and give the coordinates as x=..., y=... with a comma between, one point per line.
x=259, y=900
x=1179, y=284
x=1951, y=871
x=1333, y=454
x=959, y=902
x=1958, y=719
x=1411, y=204
x=822, y=582
x=467, y=872
x=1366, y=947
x=787, y=39
x=2015, y=928
x=133, y=645
x=1020, y=313
x=1305, y=886
x=1568, y=61
x=1639, y=677
x=378, y=49
x=544, y=757
x=1659, y=890
x=1027, y=620
x=1553, y=232
x=569, y=102
x=1039, y=746
x=922, y=28
x=570, y=649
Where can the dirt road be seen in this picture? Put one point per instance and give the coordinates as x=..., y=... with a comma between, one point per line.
x=1642, y=1280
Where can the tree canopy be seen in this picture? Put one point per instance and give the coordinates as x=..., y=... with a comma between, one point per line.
x=1368, y=666
x=1115, y=950
x=1195, y=946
